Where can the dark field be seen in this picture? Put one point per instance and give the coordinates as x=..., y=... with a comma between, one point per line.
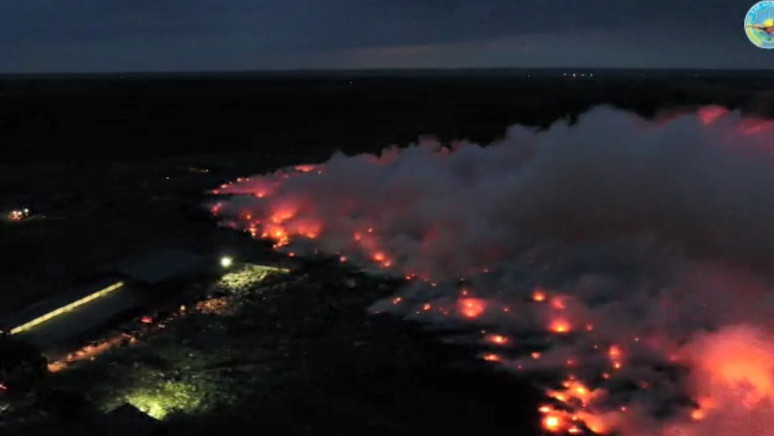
x=307, y=116
x=107, y=161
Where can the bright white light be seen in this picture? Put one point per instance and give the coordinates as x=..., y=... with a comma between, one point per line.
x=226, y=261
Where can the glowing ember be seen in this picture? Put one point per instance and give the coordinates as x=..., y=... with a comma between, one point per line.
x=553, y=423
x=492, y=358
x=471, y=307
x=497, y=339
x=560, y=326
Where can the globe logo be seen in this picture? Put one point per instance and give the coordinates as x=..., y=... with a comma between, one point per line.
x=759, y=24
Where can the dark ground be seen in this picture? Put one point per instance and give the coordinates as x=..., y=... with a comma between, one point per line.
x=105, y=158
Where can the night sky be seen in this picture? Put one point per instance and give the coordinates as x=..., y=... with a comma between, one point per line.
x=219, y=35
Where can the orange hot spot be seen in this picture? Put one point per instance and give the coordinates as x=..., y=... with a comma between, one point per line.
x=427, y=307
x=539, y=296
x=615, y=352
x=492, y=358
x=379, y=257
x=281, y=216
x=535, y=355
x=305, y=168
x=552, y=423
x=497, y=339
x=471, y=307
x=397, y=300
x=560, y=326
x=558, y=303
x=698, y=415
x=577, y=390
x=545, y=409
x=276, y=232
x=574, y=430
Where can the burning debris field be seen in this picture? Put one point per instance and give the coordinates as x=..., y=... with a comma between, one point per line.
x=619, y=266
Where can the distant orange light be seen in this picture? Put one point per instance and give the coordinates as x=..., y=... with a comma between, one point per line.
x=305, y=168
x=539, y=296
x=146, y=320
x=558, y=303
x=560, y=326
x=552, y=423
x=492, y=358
x=497, y=339
x=471, y=307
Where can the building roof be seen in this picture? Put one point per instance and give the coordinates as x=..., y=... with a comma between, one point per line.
x=160, y=266
x=60, y=299
x=50, y=334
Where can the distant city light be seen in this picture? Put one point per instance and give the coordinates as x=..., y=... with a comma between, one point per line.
x=226, y=261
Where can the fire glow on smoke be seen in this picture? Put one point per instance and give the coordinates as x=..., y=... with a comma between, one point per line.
x=628, y=257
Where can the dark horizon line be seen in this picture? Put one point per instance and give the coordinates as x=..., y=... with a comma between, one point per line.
x=380, y=71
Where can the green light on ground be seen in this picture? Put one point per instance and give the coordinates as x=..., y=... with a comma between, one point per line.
x=169, y=397
x=149, y=406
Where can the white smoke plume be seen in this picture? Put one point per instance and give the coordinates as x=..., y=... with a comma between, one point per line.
x=621, y=254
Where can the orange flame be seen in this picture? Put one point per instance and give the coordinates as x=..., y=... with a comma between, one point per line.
x=471, y=308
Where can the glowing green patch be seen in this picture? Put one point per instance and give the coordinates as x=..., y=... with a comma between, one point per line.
x=166, y=398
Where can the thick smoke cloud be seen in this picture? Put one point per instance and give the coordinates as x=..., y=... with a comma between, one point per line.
x=620, y=254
